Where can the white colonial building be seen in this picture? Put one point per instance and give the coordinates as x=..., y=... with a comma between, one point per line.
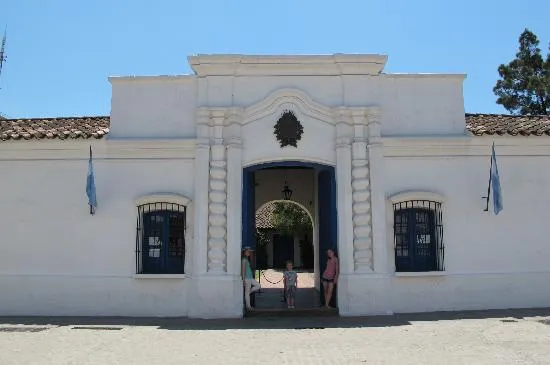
x=389, y=166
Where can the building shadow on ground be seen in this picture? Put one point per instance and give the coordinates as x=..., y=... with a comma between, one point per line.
x=38, y=324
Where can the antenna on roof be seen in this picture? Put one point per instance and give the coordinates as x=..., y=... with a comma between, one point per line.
x=2, y=55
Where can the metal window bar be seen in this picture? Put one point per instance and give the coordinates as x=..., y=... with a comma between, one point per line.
x=402, y=224
x=142, y=210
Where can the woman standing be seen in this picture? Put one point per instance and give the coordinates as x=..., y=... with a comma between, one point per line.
x=250, y=284
x=330, y=276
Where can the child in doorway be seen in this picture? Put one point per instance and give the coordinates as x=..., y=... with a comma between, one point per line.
x=291, y=283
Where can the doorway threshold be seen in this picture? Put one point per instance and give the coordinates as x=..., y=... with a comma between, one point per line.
x=296, y=312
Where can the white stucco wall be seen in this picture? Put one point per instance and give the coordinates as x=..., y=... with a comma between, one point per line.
x=58, y=259
x=411, y=104
x=478, y=241
x=153, y=107
x=420, y=105
x=491, y=261
x=164, y=106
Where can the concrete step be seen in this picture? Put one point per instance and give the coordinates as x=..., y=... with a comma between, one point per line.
x=296, y=312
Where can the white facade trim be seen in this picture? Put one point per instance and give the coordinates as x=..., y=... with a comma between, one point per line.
x=287, y=65
x=462, y=146
x=404, y=196
x=163, y=198
x=103, y=149
x=426, y=75
x=420, y=274
x=159, y=276
x=416, y=195
x=282, y=159
x=173, y=198
x=288, y=99
x=116, y=79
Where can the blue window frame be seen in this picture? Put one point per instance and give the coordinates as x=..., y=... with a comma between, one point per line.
x=160, y=243
x=418, y=232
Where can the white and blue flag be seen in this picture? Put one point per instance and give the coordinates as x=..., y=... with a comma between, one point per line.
x=495, y=183
x=90, y=185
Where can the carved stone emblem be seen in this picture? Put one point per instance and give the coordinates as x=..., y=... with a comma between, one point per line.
x=288, y=130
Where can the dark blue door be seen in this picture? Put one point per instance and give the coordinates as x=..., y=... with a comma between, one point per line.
x=283, y=250
x=326, y=188
x=249, y=214
x=326, y=184
x=249, y=218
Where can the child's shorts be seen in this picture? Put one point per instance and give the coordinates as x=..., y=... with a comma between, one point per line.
x=290, y=291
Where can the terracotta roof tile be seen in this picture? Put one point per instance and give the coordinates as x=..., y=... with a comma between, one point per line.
x=264, y=216
x=512, y=125
x=98, y=127
x=54, y=128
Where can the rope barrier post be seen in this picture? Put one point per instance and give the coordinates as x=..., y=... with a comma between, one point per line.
x=260, y=281
x=283, y=296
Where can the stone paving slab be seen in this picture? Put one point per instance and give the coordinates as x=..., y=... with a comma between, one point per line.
x=483, y=337
x=271, y=294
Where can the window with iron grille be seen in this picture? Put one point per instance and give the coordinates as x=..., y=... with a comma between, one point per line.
x=418, y=234
x=160, y=238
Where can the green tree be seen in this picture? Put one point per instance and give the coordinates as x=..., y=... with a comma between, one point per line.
x=524, y=85
x=289, y=218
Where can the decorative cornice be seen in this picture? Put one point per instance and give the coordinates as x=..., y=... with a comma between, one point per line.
x=426, y=76
x=110, y=149
x=180, y=78
x=203, y=115
x=341, y=114
x=234, y=115
x=343, y=142
x=287, y=65
x=234, y=142
x=460, y=146
x=202, y=143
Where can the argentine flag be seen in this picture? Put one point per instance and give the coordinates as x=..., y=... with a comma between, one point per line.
x=495, y=183
x=90, y=185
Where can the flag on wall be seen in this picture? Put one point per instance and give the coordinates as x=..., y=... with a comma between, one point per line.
x=90, y=185
x=494, y=182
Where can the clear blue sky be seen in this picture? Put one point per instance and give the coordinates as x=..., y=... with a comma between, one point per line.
x=60, y=52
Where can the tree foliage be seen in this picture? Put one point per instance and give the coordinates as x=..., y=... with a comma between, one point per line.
x=289, y=218
x=524, y=84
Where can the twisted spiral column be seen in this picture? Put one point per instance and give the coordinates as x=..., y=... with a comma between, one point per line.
x=217, y=208
x=362, y=215
x=217, y=197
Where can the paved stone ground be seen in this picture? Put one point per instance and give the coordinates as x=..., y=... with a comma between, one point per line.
x=272, y=291
x=489, y=337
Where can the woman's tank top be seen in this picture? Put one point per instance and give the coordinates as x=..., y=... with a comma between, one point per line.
x=330, y=271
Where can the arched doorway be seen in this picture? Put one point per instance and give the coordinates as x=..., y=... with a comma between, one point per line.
x=312, y=187
x=284, y=231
